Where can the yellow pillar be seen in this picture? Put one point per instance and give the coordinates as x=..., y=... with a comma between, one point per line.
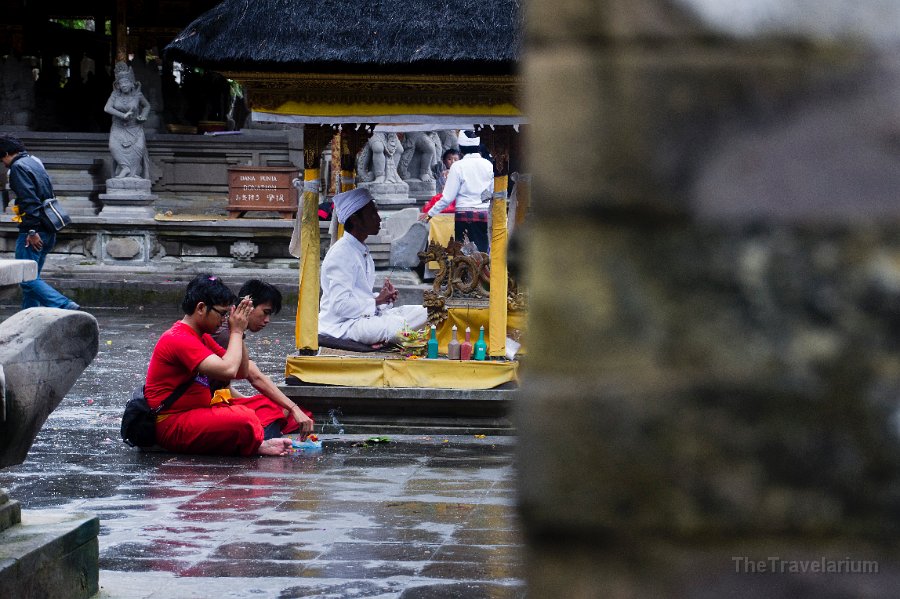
x=499, y=281
x=307, y=330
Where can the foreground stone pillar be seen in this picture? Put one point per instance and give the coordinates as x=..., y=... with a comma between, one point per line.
x=711, y=397
x=45, y=553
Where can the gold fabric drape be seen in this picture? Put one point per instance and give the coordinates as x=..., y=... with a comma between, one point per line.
x=499, y=282
x=374, y=372
x=307, y=330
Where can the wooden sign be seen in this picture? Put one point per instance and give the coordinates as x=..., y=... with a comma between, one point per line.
x=262, y=188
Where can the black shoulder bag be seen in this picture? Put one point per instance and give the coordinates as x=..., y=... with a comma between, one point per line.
x=50, y=212
x=139, y=421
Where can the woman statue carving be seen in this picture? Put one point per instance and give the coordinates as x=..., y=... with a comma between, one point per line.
x=129, y=110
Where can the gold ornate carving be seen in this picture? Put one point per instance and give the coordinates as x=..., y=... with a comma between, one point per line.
x=436, y=306
x=274, y=89
x=463, y=279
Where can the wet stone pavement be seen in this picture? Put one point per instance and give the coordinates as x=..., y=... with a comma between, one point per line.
x=418, y=516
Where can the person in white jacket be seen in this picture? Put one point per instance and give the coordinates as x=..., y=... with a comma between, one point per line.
x=349, y=307
x=470, y=181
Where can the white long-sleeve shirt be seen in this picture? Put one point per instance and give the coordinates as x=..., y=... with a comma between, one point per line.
x=348, y=278
x=470, y=181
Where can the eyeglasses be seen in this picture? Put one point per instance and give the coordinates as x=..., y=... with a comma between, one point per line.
x=222, y=313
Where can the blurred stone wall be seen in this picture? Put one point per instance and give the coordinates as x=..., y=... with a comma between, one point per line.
x=710, y=405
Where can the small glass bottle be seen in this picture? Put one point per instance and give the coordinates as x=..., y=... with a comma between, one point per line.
x=480, y=346
x=433, y=343
x=465, y=348
x=453, y=346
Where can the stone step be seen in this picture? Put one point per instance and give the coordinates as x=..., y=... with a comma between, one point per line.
x=50, y=554
x=410, y=411
x=10, y=511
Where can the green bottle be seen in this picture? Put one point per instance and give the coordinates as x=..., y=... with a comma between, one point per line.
x=480, y=346
x=433, y=343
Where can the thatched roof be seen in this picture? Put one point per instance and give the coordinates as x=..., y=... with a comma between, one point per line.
x=397, y=35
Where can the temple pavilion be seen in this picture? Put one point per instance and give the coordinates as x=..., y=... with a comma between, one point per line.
x=340, y=69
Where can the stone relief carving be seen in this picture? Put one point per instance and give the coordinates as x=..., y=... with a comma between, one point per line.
x=244, y=251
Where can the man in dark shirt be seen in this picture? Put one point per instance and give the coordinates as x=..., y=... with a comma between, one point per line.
x=29, y=181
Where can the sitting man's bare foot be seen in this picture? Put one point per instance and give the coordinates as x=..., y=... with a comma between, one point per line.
x=277, y=446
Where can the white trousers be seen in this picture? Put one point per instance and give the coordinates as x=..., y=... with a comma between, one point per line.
x=387, y=325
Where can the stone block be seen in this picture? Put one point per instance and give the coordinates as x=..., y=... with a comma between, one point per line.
x=587, y=299
x=405, y=250
x=641, y=20
x=643, y=452
x=50, y=554
x=635, y=20
x=396, y=224
x=421, y=190
x=13, y=272
x=658, y=118
x=198, y=250
x=388, y=193
x=42, y=351
x=10, y=512
x=124, y=248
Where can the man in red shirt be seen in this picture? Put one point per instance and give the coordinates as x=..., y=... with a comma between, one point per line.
x=193, y=424
x=266, y=300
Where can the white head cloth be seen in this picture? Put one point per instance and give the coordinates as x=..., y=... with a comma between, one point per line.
x=467, y=141
x=349, y=202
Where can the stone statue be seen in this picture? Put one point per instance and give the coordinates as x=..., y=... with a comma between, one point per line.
x=449, y=140
x=129, y=110
x=376, y=167
x=381, y=152
x=420, y=151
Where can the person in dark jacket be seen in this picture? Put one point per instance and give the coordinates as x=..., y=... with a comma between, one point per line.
x=29, y=181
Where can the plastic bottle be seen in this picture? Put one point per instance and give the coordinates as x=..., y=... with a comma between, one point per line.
x=433, y=343
x=465, y=348
x=453, y=346
x=480, y=346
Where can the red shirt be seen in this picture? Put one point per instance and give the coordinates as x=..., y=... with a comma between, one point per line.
x=451, y=207
x=175, y=358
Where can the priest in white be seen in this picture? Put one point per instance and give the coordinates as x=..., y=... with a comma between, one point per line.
x=349, y=308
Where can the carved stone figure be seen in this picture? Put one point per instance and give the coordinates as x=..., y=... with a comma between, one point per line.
x=129, y=110
x=381, y=153
x=376, y=167
x=449, y=139
x=421, y=150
